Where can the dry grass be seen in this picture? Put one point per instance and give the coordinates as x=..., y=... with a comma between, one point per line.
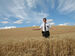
x=21, y=42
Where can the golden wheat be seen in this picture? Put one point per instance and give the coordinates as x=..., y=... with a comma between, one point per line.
x=26, y=42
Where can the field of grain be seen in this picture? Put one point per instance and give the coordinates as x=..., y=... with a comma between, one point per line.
x=27, y=42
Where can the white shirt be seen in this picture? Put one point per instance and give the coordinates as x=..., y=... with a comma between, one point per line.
x=48, y=26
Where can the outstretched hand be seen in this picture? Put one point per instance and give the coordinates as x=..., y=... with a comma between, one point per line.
x=54, y=29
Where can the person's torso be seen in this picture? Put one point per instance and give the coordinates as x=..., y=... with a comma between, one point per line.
x=47, y=27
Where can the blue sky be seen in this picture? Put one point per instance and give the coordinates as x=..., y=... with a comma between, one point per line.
x=25, y=13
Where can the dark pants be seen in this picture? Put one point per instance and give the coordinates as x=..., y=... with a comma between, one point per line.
x=46, y=34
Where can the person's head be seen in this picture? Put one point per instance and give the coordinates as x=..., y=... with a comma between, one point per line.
x=44, y=20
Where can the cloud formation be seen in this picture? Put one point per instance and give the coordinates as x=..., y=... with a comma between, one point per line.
x=65, y=24
x=20, y=21
x=49, y=20
x=29, y=11
x=8, y=27
x=4, y=22
x=66, y=6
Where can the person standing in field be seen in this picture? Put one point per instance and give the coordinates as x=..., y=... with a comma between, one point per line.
x=45, y=28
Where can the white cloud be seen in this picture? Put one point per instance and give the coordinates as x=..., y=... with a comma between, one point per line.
x=27, y=22
x=66, y=6
x=31, y=3
x=37, y=17
x=53, y=3
x=20, y=16
x=20, y=9
x=8, y=27
x=23, y=9
x=61, y=24
x=52, y=23
x=34, y=26
x=20, y=21
x=5, y=18
x=42, y=14
x=49, y=20
x=4, y=22
x=65, y=24
x=12, y=8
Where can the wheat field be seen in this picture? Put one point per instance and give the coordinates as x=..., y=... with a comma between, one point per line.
x=27, y=42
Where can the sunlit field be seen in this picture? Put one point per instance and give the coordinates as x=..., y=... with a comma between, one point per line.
x=28, y=42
